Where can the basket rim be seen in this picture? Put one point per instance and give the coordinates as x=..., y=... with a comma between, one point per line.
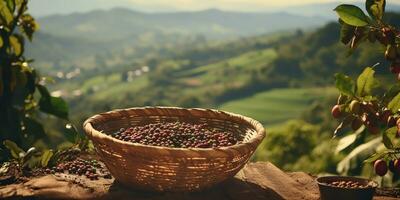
x=255, y=140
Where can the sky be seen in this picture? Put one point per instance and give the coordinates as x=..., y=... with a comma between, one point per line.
x=47, y=7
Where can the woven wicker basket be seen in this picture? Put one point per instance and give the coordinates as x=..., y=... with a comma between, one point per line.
x=172, y=169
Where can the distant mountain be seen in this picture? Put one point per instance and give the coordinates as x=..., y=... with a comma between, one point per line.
x=325, y=10
x=119, y=23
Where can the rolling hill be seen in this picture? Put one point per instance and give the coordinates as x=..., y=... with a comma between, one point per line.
x=121, y=23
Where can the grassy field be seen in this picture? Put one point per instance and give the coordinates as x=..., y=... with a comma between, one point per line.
x=216, y=71
x=274, y=107
x=229, y=73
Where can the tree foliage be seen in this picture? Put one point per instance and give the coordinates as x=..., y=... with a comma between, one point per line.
x=366, y=105
x=23, y=94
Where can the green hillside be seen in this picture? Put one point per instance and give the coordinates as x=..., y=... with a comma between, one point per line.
x=212, y=23
x=274, y=107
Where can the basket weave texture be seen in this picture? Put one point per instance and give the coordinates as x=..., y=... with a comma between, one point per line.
x=172, y=169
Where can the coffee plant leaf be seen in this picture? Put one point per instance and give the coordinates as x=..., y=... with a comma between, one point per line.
x=15, y=150
x=375, y=8
x=394, y=104
x=352, y=15
x=366, y=82
x=345, y=84
x=388, y=136
x=55, y=106
x=346, y=142
x=46, y=156
x=346, y=33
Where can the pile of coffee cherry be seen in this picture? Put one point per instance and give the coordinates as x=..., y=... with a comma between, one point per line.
x=348, y=184
x=92, y=169
x=177, y=135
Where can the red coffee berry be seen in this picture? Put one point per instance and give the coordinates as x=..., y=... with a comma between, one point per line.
x=336, y=111
x=380, y=167
x=356, y=124
x=391, y=166
x=396, y=166
x=391, y=121
x=395, y=68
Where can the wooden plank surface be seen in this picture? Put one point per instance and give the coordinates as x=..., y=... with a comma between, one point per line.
x=256, y=181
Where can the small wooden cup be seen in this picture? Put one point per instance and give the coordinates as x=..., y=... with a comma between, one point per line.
x=330, y=192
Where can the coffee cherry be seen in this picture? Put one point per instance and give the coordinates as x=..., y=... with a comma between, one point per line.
x=380, y=167
x=348, y=184
x=88, y=168
x=372, y=106
x=356, y=124
x=391, y=121
x=355, y=107
x=391, y=166
x=395, y=68
x=396, y=166
x=371, y=119
x=384, y=116
x=388, y=36
x=336, y=111
x=391, y=53
x=373, y=129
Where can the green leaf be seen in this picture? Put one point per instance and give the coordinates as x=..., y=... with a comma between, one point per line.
x=17, y=44
x=52, y=105
x=15, y=150
x=18, y=3
x=43, y=91
x=352, y=15
x=392, y=92
x=346, y=33
x=46, y=157
x=346, y=142
x=11, y=5
x=366, y=82
x=1, y=42
x=394, y=105
x=55, y=106
x=375, y=8
x=28, y=26
x=388, y=136
x=375, y=157
x=5, y=13
x=345, y=84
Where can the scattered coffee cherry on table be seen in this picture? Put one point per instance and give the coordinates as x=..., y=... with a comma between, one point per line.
x=92, y=169
x=178, y=135
x=348, y=184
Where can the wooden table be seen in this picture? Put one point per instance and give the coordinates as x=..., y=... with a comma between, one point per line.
x=261, y=180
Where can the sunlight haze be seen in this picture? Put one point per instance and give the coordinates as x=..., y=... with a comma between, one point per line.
x=47, y=7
